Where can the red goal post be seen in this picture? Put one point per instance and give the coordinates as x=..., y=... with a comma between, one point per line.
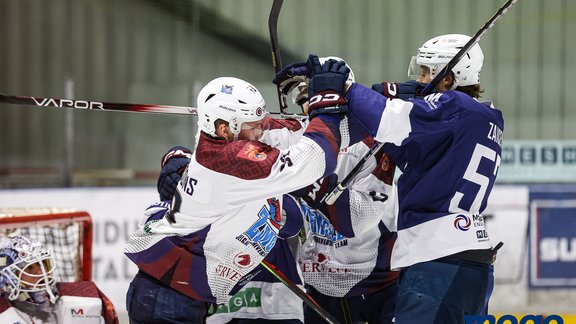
x=66, y=232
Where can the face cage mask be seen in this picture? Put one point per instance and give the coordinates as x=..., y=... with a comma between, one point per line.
x=414, y=69
x=38, y=287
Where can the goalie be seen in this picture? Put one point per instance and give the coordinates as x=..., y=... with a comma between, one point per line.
x=30, y=293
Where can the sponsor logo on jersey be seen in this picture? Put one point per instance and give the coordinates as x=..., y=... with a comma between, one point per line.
x=242, y=260
x=481, y=234
x=320, y=266
x=149, y=225
x=247, y=278
x=249, y=297
x=324, y=232
x=77, y=312
x=263, y=233
x=228, y=273
x=462, y=222
x=251, y=152
x=322, y=258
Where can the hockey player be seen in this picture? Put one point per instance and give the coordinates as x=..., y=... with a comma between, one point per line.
x=226, y=214
x=448, y=147
x=30, y=293
x=263, y=298
x=345, y=259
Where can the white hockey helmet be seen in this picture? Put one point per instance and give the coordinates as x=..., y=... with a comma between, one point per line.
x=351, y=78
x=438, y=51
x=27, y=271
x=300, y=93
x=232, y=100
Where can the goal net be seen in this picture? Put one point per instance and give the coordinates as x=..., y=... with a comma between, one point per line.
x=66, y=232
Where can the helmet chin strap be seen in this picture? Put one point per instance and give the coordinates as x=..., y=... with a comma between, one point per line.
x=51, y=294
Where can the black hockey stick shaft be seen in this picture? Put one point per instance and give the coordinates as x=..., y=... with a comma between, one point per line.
x=473, y=41
x=332, y=196
x=330, y=199
x=113, y=106
x=299, y=292
x=276, y=60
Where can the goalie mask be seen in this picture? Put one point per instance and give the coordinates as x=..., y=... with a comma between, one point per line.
x=438, y=51
x=27, y=271
x=232, y=100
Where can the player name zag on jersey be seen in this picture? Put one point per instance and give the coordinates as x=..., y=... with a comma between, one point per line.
x=495, y=134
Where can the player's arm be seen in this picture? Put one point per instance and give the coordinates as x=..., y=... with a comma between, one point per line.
x=365, y=200
x=371, y=198
x=282, y=133
x=173, y=164
x=314, y=156
x=402, y=90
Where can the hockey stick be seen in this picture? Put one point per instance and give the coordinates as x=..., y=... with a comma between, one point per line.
x=111, y=106
x=336, y=192
x=299, y=292
x=96, y=105
x=332, y=196
x=276, y=61
x=473, y=41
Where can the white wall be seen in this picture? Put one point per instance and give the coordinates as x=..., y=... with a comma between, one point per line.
x=115, y=213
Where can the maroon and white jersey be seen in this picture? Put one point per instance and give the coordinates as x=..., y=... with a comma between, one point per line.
x=79, y=303
x=283, y=133
x=265, y=297
x=226, y=215
x=348, y=245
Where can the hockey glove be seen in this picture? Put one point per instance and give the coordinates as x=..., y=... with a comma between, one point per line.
x=173, y=165
x=327, y=86
x=300, y=94
x=290, y=76
x=405, y=90
x=315, y=193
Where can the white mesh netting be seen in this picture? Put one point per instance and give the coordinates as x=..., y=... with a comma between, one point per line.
x=63, y=231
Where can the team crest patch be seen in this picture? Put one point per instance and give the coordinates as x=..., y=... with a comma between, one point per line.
x=251, y=152
x=227, y=89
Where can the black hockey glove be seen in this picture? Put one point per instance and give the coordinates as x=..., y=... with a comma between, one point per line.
x=290, y=76
x=327, y=86
x=173, y=165
x=405, y=90
x=314, y=194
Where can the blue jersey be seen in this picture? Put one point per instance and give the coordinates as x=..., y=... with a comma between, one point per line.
x=448, y=146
